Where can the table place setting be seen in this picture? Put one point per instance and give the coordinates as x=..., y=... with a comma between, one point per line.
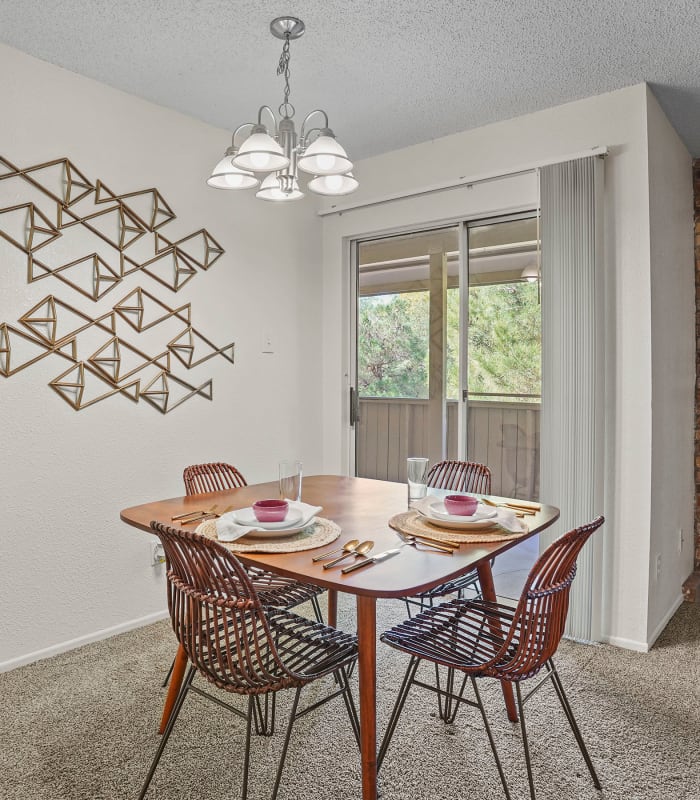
x=271, y=526
x=478, y=521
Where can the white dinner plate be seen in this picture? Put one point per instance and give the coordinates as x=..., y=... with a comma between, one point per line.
x=433, y=510
x=246, y=516
x=277, y=534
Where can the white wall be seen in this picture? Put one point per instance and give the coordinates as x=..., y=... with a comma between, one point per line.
x=72, y=571
x=70, y=568
x=673, y=365
x=618, y=120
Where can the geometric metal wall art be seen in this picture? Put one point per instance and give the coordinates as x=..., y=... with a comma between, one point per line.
x=124, y=234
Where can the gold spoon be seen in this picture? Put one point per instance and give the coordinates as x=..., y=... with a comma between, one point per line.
x=351, y=545
x=361, y=550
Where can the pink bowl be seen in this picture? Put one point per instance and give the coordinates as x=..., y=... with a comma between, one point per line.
x=270, y=510
x=461, y=505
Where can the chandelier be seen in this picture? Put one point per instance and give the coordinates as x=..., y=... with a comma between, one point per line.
x=278, y=152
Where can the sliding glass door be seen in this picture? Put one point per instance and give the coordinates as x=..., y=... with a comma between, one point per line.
x=504, y=374
x=406, y=351
x=417, y=391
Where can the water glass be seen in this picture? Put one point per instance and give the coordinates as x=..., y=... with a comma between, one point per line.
x=417, y=474
x=290, y=480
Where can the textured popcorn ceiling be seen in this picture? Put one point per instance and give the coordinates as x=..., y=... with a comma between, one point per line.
x=388, y=73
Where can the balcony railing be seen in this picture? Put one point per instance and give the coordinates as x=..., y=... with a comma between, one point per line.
x=503, y=435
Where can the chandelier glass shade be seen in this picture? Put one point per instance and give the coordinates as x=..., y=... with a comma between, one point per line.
x=277, y=153
x=333, y=184
x=226, y=175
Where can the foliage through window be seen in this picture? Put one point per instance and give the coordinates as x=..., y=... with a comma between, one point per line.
x=504, y=342
x=393, y=347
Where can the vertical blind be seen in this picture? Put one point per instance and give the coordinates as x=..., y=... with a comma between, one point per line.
x=572, y=432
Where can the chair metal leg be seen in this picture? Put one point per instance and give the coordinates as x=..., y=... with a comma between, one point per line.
x=564, y=700
x=491, y=740
x=287, y=736
x=265, y=714
x=398, y=708
x=342, y=679
x=448, y=712
x=317, y=609
x=168, y=730
x=246, y=757
x=528, y=764
x=167, y=677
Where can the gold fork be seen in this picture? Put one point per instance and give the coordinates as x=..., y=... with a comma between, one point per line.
x=212, y=512
x=416, y=539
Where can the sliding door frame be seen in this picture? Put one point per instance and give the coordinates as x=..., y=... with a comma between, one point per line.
x=353, y=250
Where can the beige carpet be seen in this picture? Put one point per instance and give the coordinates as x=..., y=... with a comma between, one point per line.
x=82, y=726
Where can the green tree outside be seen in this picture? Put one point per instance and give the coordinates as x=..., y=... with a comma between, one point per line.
x=504, y=342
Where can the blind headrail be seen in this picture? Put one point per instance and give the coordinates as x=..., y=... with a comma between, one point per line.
x=461, y=182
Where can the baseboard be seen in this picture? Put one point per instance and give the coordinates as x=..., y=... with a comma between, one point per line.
x=644, y=647
x=72, y=644
x=658, y=630
x=626, y=644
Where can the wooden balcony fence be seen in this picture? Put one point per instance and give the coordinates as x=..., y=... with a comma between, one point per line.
x=503, y=435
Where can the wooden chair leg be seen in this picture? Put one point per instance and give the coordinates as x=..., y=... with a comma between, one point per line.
x=178, y=672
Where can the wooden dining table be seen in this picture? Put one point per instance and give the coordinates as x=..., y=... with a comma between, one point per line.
x=362, y=508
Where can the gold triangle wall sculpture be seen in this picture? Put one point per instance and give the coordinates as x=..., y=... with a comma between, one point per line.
x=37, y=226
x=211, y=248
x=132, y=308
x=71, y=384
x=184, y=345
x=108, y=360
x=104, y=278
x=44, y=316
x=54, y=327
x=158, y=394
x=75, y=185
x=160, y=212
x=11, y=365
x=172, y=264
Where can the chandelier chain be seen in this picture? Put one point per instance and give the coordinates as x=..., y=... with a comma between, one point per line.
x=283, y=69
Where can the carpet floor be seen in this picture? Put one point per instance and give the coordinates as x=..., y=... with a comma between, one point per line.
x=82, y=726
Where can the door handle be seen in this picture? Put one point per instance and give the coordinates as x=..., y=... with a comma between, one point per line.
x=354, y=407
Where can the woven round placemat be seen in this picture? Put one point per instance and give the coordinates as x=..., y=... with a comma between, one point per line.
x=318, y=534
x=413, y=522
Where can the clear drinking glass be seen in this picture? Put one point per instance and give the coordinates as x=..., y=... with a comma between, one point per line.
x=290, y=480
x=417, y=474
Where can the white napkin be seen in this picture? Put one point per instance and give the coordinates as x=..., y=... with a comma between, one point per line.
x=228, y=530
x=308, y=512
x=507, y=520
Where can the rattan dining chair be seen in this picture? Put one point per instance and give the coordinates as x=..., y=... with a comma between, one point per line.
x=242, y=646
x=484, y=639
x=456, y=476
x=460, y=476
x=273, y=590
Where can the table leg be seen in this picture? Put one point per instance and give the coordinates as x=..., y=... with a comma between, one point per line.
x=488, y=592
x=333, y=608
x=174, y=686
x=367, y=662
